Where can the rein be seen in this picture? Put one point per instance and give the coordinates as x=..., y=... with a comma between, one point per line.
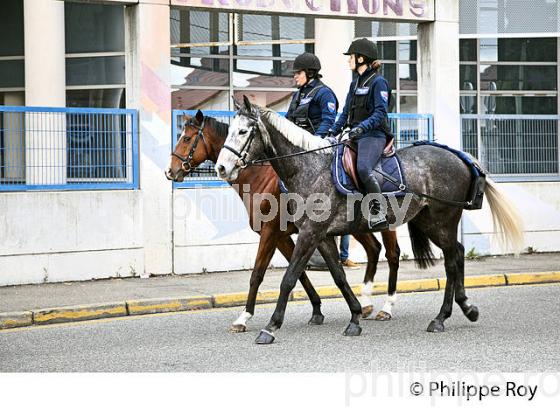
x=243, y=163
x=186, y=162
x=259, y=161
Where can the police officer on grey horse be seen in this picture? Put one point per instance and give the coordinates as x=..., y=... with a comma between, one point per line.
x=365, y=113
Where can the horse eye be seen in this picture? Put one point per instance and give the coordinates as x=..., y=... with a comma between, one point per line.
x=242, y=132
x=187, y=138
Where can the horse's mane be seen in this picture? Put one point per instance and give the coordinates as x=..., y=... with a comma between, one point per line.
x=296, y=135
x=218, y=126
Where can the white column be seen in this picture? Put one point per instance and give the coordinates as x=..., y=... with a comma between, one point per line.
x=45, y=85
x=332, y=38
x=149, y=91
x=438, y=72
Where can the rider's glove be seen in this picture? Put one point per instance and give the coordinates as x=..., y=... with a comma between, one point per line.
x=355, y=132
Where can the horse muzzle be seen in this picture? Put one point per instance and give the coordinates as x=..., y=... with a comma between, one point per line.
x=174, y=176
x=227, y=166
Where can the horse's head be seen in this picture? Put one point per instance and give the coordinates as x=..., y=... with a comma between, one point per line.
x=191, y=149
x=243, y=143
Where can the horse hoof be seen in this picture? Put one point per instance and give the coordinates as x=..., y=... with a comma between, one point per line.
x=367, y=311
x=353, y=330
x=472, y=313
x=264, y=338
x=316, y=320
x=238, y=329
x=435, y=326
x=383, y=316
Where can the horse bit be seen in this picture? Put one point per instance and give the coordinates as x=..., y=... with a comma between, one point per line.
x=186, y=162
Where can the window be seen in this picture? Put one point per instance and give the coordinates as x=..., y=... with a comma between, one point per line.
x=95, y=55
x=398, y=57
x=95, y=78
x=216, y=55
x=500, y=16
x=510, y=77
x=12, y=67
x=12, y=82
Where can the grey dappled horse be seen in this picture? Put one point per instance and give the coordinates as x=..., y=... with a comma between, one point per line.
x=258, y=133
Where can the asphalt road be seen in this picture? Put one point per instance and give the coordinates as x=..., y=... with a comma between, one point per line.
x=518, y=331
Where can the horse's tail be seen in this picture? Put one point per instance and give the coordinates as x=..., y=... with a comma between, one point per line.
x=505, y=218
x=421, y=247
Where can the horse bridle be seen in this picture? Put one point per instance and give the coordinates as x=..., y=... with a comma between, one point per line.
x=242, y=153
x=186, y=162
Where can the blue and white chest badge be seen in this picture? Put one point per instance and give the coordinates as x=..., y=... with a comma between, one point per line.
x=362, y=91
x=305, y=101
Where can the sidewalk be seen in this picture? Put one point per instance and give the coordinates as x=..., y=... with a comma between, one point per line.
x=211, y=287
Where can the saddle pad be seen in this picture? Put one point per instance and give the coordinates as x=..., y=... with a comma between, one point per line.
x=389, y=165
x=282, y=187
x=467, y=159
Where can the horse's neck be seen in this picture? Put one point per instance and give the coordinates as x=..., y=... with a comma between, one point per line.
x=291, y=170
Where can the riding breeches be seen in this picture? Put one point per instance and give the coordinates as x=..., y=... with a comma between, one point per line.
x=370, y=150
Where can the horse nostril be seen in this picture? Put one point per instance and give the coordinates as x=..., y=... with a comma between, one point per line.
x=221, y=169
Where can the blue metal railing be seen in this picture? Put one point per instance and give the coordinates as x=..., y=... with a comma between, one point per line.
x=44, y=148
x=514, y=147
x=407, y=128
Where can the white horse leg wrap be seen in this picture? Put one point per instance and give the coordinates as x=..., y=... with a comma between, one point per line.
x=367, y=290
x=243, y=318
x=389, y=302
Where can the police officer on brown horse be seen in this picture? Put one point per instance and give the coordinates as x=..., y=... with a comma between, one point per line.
x=365, y=113
x=313, y=108
x=314, y=105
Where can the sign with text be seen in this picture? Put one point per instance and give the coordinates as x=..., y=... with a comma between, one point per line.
x=411, y=10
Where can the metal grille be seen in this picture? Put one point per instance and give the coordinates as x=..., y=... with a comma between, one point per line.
x=67, y=148
x=510, y=16
x=513, y=146
x=406, y=127
x=409, y=128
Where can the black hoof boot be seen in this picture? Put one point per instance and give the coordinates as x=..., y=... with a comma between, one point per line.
x=264, y=338
x=436, y=326
x=353, y=330
x=316, y=319
x=472, y=313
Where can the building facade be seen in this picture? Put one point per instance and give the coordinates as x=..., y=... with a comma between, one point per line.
x=479, y=58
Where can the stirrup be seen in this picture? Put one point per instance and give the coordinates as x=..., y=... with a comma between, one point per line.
x=378, y=225
x=377, y=221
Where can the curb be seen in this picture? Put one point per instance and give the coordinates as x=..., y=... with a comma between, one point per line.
x=10, y=320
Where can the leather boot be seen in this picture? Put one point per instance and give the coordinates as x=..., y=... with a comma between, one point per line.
x=376, y=219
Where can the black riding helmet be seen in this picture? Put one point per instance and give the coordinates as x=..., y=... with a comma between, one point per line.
x=307, y=61
x=363, y=47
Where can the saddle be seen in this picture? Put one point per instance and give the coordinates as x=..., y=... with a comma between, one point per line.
x=349, y=158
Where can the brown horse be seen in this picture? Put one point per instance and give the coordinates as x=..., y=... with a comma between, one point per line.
x=201, y=139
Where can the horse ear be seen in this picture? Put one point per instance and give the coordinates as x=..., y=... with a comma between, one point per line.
x=199, y=116
x=247, y=103
x=236, y=104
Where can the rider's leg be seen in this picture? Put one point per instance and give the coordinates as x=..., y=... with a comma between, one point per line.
x=370, y=150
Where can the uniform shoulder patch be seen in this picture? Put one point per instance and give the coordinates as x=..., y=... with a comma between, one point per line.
x=385, y=95
x=331, y=106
